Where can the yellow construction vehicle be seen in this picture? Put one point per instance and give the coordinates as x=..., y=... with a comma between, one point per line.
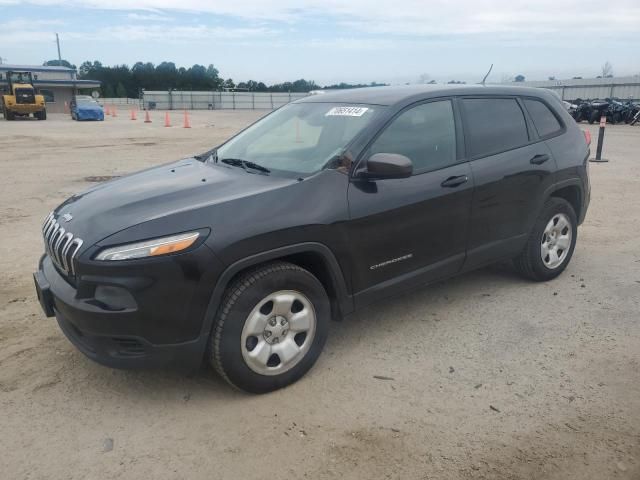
x=20, y=99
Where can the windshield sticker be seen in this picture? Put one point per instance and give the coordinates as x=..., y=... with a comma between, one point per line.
x=346, y=112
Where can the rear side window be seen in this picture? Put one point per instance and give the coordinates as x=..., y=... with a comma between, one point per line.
x=426, y=134
x=545, y=121
x=494, y=125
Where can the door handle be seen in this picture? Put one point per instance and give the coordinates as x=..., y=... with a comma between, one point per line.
x=456, y=181
x=539, y=159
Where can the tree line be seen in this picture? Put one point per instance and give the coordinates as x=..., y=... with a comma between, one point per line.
x=125, y=81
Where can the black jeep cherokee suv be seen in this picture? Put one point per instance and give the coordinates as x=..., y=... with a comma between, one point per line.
x=243, y=254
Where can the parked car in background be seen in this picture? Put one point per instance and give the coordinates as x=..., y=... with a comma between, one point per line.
x=242, y=255
x=84, y=107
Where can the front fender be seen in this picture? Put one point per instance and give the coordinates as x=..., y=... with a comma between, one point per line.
x=344, y=301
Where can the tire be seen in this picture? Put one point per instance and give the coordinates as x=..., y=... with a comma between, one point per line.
x=593, y=117
x=530, y=262
x=246, y=340
x=43, y=115
x=7, y=113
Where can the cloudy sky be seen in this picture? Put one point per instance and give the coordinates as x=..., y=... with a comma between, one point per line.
x=330, y=40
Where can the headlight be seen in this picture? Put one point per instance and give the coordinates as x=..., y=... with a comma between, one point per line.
x=149, y=248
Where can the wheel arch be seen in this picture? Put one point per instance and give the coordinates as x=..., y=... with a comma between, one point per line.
x=314, y=257
x=571, y=191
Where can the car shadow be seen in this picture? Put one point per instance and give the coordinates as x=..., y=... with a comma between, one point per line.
x=178, y=385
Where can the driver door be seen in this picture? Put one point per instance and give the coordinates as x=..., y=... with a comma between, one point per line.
x=410, y=231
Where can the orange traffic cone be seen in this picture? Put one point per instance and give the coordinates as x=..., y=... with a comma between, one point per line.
x=167, y=120
x=133, y=114
x=114, y=111
x=187, y=124
x=107, y=112
x=147, y=119
x=66, y=107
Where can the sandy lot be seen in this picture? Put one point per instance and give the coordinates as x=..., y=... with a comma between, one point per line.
x=492, y=376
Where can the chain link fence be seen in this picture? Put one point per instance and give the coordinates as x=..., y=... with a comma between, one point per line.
x=196, y=100
x=119, y=101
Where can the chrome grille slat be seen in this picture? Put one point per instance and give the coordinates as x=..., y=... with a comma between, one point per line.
x=65, y=240
x=61, y=245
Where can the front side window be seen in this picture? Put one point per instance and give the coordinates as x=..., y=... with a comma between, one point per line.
x=494, y=125
x=426, y=134
x=545, y=121
x=299, y=138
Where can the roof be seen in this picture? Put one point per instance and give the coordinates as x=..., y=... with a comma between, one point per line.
x=34, y=68
x=396, y=94
x=63, y=83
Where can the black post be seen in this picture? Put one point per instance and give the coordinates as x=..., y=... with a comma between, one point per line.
x=603, y=123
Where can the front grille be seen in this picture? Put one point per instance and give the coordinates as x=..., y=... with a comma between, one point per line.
x=25, y=96
x=60, y=245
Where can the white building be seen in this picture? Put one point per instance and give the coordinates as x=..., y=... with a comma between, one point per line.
x=57, y=84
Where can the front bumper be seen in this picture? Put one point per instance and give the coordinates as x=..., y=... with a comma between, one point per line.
x=25, y=109
x=146, y=333
x=89, y=115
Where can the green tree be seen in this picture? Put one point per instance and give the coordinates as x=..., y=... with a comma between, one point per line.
x=107, y=91
x=58, y=63
x=121, y=92
x=213, y=77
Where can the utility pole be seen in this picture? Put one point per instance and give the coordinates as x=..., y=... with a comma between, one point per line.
x=59, y=56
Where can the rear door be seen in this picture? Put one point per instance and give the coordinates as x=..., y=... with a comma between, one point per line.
x=511, y=168
x=410, y=231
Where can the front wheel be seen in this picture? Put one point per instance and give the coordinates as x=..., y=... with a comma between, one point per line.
x=551, y=242
x=270, y=327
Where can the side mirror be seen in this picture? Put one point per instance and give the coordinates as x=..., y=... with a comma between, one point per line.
x=388, y=165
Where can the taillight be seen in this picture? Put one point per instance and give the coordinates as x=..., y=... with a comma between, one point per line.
x=587, y=136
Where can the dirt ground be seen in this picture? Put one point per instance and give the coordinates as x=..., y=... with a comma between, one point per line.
x=488, y=376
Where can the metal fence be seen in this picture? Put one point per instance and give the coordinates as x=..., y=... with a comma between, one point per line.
x=119, y=101
x=198, y=100
x=624, y=88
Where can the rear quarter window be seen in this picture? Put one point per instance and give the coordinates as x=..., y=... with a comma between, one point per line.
x=545, y=121
x=493, y=125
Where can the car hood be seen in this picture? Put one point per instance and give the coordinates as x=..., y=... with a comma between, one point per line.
x=163, y=192
x=89, y=108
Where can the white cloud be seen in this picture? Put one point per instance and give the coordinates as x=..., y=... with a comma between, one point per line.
x=173, y=33
x=20, y=31
x=148, y=17
x=403, y=17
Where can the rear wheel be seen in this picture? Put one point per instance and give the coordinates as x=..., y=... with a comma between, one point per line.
x=551, y=242
x=270, y=327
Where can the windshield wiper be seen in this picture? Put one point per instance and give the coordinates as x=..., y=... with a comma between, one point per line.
x=246, y=164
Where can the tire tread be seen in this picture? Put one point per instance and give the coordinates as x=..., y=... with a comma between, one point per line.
x=233, y=292
x=524, y=263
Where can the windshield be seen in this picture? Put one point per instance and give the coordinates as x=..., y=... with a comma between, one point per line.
x=298, y=138
x=86, y=101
